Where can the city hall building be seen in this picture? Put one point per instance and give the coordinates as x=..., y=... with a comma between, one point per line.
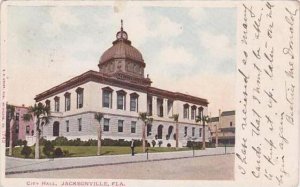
x=121, y=91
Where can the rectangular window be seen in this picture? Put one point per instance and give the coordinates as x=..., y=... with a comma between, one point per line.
x=185, y=131
x=27, y=129
x=133, y=126
x=67, y=102
x=106, y=99
x=133, y=104
x=200, y=132
x=193, y=131
x=79, y=124
x=56, y=104
x=17, y=128
x=80, y=99
x=106, y=125
x=67, y=126
x=231, y=124
x=17, y=116
x=120, y=125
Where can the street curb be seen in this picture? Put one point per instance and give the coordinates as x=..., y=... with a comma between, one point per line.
x=107, y=164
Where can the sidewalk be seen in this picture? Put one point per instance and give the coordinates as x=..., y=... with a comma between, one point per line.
x=19, y=165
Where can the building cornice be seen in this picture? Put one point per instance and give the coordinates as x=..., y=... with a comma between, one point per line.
x=141, y=85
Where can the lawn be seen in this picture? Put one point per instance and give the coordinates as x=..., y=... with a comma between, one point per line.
x=77, y=151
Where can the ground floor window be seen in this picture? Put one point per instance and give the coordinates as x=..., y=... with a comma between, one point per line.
x=106, y=124
x=185, y=131
x=133, y=126
x=67, y=126
x=200, y=132
x=27, y=129
x=120, y=125
x=79, y=124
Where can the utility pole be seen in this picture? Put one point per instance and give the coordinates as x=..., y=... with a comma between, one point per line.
x=217, y=129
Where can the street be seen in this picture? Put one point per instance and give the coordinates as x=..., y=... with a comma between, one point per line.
x=213, y=167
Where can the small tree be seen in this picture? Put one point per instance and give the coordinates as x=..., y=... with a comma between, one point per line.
x=41, y=113
x=175, y=117
x=26, y=151
x=48, y=148
x=98, y=117
x=203, y=119
x=153, y=143
x=146, y=120
x=11, y=120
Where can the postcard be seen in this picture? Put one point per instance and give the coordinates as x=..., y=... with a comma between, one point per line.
x=149, y=93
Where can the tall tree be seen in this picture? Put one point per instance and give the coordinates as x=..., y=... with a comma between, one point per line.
x=98, y=117
x=203, y=119
x=143, y=116
x=41, y=113
x=11, y=119
x=175, y=118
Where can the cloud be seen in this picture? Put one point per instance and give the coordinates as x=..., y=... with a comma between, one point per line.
x=217, y=45
x=219, y=90
x=165, y=28
x=60, y=16
x=175, y=55
x=197, y=14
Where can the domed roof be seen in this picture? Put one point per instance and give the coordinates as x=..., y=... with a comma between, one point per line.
x=122, y=48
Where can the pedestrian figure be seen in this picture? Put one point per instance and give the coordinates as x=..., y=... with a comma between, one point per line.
x=132, y=147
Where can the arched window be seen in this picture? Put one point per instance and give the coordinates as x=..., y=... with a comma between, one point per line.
x=56, y=104
x=67, y=101
x=107, y=97
x=193, y=112
x=160, y=131
x=134, y=102
x=121, y=100
x=79, y=92
x=149, y=129
x=186, y=111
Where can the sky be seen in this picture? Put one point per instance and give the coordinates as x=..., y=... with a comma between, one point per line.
x=190, y=50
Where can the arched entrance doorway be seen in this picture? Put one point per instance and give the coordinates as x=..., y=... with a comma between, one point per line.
x=149, y=129
x=159, y=131
x=56, y=128
x=170, y=131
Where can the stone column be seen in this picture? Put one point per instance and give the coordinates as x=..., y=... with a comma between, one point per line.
x=154, y=105
x=165, y=105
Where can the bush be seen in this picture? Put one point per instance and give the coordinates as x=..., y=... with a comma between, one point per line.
x=168, y=145
x=42, y=141
x=66, y=153
x=48, y=148
x=159, y=143
x=199, y=144
x=167, y=136
x=26, y=151
x=60, y=141
x=153, y=143
x=19, y=142
x=58, y=152
x=24, y=142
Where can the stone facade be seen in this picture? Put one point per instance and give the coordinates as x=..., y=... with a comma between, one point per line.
x=20, y=129
x=225, y=126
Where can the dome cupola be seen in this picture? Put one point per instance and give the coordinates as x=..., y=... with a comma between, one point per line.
x=122, y=57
